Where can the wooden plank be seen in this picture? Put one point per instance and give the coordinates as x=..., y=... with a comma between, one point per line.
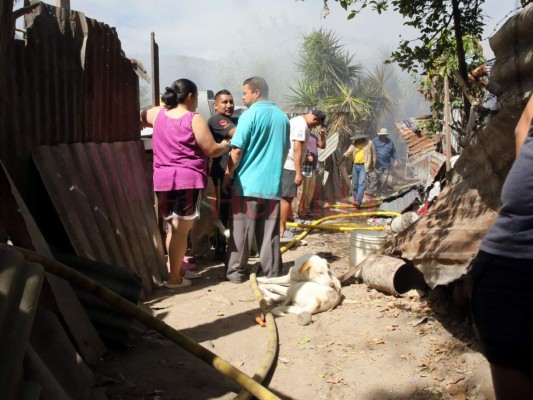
x=73, y=314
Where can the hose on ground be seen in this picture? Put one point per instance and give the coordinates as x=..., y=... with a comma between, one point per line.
x=272, y=348
x=79, y=280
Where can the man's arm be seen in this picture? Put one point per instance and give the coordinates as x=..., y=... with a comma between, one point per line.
x=347, y=154
x=394, y=155
x=233, y=161
x=297, y=154
x=321, y=142
x=478, y=73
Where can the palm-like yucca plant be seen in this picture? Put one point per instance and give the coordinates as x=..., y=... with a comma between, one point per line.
x=323, y=62
x=345, y=109
x=373, y=88
x=305, y=95
x=332, y=81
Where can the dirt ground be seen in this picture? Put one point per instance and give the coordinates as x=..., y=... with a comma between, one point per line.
x=372, y=346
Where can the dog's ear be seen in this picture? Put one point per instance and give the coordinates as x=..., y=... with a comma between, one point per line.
x=305, y=267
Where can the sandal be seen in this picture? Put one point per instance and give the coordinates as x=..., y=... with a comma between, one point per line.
x=191, y=275
x=184, y=283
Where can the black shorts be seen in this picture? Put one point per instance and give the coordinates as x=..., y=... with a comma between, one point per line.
x=502, y=309
x=288, y=188
x=182, y=204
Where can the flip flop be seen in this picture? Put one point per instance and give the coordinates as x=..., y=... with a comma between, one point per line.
x=184, y=283
x=191, y=275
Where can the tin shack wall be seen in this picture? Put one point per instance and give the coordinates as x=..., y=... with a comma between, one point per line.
x=68, y=81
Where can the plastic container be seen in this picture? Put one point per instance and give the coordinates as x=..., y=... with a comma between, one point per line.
x=363, y=243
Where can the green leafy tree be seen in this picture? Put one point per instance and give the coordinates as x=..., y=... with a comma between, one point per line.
x=447, y=44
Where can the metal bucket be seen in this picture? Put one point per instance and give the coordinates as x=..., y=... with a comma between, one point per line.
x=363, y=243
x=391, y=275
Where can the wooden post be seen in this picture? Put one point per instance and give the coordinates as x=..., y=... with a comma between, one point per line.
x=447, y=122
x=155, y=71
x=63, y=4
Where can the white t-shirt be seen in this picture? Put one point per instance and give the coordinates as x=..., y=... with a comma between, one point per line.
x=300, y=132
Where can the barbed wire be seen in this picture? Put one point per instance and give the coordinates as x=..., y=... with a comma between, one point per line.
x=504, y=18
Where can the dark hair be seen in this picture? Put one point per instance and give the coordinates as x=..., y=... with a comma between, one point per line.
x=221, y=92
x=178, y=92
x=256, y=82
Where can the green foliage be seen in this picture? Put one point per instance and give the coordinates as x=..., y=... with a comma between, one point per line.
x=323, y=61
x=331, y=80
x=447, y=64
x=447, y=43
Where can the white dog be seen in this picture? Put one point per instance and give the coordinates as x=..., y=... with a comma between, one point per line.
x=309, y=288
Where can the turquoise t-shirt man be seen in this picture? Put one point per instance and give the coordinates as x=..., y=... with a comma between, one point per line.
x=263, y=137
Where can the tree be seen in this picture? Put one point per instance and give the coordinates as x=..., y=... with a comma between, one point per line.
x=433, y=20
x=331, y=80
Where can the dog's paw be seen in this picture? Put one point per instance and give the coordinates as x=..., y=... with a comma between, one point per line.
x=227, y=233
x=304, y=318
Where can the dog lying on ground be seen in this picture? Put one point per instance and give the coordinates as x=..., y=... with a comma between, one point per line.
x=309, y=288
x=203, y=227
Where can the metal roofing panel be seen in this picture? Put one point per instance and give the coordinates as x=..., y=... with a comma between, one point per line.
x=332, y=142
x=418, y=144
x=402, y=202
x=442, y=243
x=68, y=82
x=104, y=201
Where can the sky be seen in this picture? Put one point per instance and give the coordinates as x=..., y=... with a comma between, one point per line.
x=221, y=43
x=209, y=28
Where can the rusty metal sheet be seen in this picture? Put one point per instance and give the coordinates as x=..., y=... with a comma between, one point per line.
x=401, y=203
x=20, y=287
x=104, y=202
x=417, y=144
x=442, y=243
x=68, y=82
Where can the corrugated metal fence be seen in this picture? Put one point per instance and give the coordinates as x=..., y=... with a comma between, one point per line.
x=68, y=82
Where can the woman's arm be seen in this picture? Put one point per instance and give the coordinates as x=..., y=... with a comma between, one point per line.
x=524, y=123
x=148, y=116
x=205, y=140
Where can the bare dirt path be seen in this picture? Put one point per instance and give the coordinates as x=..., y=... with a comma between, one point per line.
x=373, y=346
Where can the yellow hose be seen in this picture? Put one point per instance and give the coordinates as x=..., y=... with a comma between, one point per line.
x=272, y=349
x=366, y=205
x=79, y=280
x=336, y=227
x=309, y=227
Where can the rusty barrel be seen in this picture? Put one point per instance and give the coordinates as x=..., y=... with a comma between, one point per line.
x=391, y=275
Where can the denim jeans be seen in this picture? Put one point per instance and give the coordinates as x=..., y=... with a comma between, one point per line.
x=358, y=181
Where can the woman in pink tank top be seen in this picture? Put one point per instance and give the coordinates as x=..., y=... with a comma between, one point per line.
x=182, y=144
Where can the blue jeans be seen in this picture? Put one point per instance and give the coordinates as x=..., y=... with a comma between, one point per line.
x=358, y=181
